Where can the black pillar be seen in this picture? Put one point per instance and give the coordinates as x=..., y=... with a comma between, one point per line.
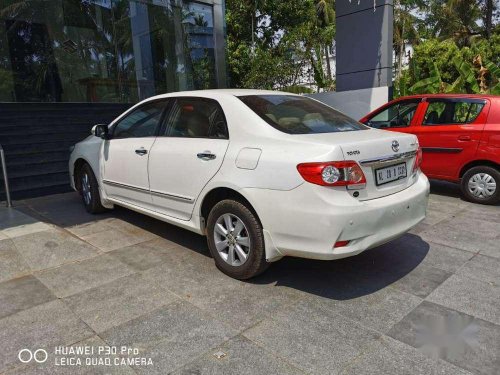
x=364, y=44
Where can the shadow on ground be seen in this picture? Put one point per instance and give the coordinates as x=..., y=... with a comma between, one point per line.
x=351, y=277
x=342, y=279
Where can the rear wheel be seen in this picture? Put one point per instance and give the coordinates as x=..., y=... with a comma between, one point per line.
x=236, y=241
x=89, y=190
x=481, y=185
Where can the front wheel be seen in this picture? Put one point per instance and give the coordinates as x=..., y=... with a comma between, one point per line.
x=481, y=185
x=89, y=189
x=236, y=240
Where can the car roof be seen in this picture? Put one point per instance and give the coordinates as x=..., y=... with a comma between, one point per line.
x=218, y=93
x=420, y=96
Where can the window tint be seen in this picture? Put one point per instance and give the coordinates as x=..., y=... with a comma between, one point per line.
x=452, y=111
x=196, y=118
x=299, y=115
x=142, y=122
x=396, y=116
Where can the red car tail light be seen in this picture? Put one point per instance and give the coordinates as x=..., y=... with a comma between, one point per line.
x=418, y=159
x=334, y=173
x=341, y=243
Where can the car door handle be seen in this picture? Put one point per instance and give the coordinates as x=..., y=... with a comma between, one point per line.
x=464, y=138
x=206, y=155
x=141, y=151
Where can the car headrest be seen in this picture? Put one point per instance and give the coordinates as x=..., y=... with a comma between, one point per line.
x=432, y=118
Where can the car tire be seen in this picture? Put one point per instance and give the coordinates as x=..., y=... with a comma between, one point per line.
x=240, y=251
x=481, y=185
x=89, y=190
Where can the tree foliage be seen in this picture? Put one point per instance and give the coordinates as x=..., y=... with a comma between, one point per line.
x=270, y=42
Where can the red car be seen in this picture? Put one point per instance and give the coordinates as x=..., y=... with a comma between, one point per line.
x=459, y=136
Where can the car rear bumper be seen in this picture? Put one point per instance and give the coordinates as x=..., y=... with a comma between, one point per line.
x=307, y=221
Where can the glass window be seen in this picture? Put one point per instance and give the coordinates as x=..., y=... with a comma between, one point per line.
x=141, y=122
x=196, y=118
x=104, y=50
x=396, y=116
x=299, y=115
x=454, y=111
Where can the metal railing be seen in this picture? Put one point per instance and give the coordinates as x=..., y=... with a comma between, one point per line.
x=5, y=177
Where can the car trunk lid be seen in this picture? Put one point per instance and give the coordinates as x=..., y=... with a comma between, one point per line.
x=386, y=159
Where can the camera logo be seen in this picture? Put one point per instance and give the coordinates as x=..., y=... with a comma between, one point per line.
x=39, y=355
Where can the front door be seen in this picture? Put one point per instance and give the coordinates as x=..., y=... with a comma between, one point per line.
x=187, y=154
x=449, y=134
x=398, y=116
x=125, y=156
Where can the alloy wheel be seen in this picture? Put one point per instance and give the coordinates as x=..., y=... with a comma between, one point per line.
x=482, y=185
x=232, y=239
x=86, y=192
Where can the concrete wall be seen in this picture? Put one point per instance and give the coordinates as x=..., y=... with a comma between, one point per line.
x=355, y=103
x=364, y=44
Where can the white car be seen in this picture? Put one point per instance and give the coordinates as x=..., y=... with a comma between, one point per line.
x=262, y=174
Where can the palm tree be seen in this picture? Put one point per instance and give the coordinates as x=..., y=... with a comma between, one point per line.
x=325, y=13
x=455, y=19
x=405, y=28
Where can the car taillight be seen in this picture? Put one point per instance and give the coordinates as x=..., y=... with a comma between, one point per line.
x=341, y=243
x=334, y=173
x=418, y=160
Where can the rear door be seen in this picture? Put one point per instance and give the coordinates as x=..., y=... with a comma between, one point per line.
x=187, y=154
x=449, y=133
x=125, y=156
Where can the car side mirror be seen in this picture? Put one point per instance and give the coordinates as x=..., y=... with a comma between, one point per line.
x=101, y=131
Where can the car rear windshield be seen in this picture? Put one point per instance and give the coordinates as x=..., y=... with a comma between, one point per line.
x=300, y=115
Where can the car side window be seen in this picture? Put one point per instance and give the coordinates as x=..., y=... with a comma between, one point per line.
x=398, y=115
x=456, y=111
x=141, y=122
x=196, y=118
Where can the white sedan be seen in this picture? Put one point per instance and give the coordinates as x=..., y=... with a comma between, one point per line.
x=262, y=174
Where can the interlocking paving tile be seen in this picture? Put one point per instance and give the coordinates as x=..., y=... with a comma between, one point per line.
x=482, y=268
x=116, y=238
x=463, y=238
x=52, y=248
x=472, y=296
x=76, y=277
x=313, y=338
x=435, y=216
x=446, y=258
x=422, y=280
x=379, y=310
x=478, y=339
x=237, y=303
x=149, y=254
x=86, y=229
x=49, y=367
x=11, y=218
x=479, y=227
x=239, y=356
x=42, y=326
x=22, y=230
x=117, y=302
x=12, y=264
x=171, y=336
x=21, y=294
x=157, y=289
x=389, y=356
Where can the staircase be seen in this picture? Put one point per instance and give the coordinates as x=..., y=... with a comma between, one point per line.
x=36, y=138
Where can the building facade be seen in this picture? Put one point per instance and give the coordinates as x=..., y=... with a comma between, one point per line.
x=113, y=51
x=66, y=65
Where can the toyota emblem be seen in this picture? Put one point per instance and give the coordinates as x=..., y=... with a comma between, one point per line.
x=395, y=146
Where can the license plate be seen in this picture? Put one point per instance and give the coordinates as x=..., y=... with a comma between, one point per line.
x=389, y=174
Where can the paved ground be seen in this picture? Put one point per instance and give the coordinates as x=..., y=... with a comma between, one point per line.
x=122, y=279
